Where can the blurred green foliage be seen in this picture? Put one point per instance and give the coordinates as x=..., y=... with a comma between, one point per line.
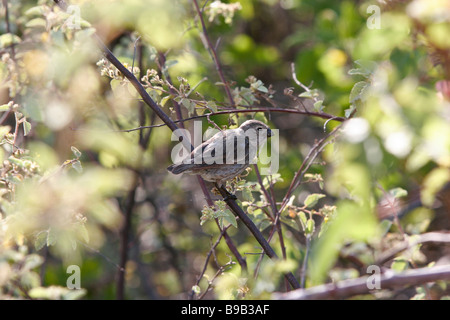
x=71, y=169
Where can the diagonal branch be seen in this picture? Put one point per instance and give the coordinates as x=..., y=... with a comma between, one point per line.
x=255, y=231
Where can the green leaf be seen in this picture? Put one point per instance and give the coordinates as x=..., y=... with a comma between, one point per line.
x=306, y=94
x=247, y=195
x=26, y=128
x=312, y=199
x=212, y=106
x=398, y=192
x=188, y=105
x=8, y=39
x=32, y=261
x=36, y=22
x=4, y=130
x=37, y=10
x=274, y=178
x=165, y=100
x=77, y=166
x=230, y=218
x=348, y=112
x=259, y=85
x=359, y=71
x=400, y=264
x=41, y=240
x=74, y=294
x=303, y=219
x=51, y=238
x=318, y=106
x=115, y=84
x=84, y=233
x=16, y=161
x=76, y=152
x=357, y=92
x=4, y=107
x=196, y=289
x=310, y=225
x=133, y=92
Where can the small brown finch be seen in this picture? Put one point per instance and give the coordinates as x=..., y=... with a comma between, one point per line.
x=226, y=154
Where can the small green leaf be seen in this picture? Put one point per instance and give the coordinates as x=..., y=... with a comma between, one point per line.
x=115, y=84
x=247, y=195
x=312, y=199
x=165, y=100
x=4, y=107
x=26, y=128
x=399, y=264
x=188, y=105
x=76, y=152
x=318, y=106
x=360, y=71
x=84, y=233
x=348, y=112
x=51, y=238
x=4, y=130
x=8, y=39
x=36, y=22
x=212, y=106
x=230, y=218
x=398, y=192
x=310, y=225
x=77, y=166
x=357, y=92
x=40, y=241
x=37, y=10
x=306, y=94
x=303, y=219
x=133, y=92
x=196, y=289
x=32, y=261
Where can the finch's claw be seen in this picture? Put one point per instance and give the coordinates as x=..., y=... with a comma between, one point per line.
x=230, y=196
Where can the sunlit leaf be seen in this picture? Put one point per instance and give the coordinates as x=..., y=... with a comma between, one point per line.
x=312, y=199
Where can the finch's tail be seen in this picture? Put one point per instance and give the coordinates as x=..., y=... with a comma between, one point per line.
x=177, y=168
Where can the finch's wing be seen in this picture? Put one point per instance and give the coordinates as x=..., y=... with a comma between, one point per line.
x=225, y=147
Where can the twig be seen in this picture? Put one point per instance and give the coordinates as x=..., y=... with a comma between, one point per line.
x=8, y=27
x=347, y=288
x=309, y=159
x=316, y=114
x=214, y=54
x=218, y=273
x=294, y=77
x=438, y=237
x=241, y=260
x=394, y=211
x=205, y=266
x=305, y=262
x=256, y=233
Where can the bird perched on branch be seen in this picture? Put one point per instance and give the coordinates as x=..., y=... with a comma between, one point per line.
x=226, y=154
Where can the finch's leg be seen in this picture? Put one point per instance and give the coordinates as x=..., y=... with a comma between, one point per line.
x=229, y=196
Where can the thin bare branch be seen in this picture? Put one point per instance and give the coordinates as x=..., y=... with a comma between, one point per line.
x=351, y=287
x=213, y=52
